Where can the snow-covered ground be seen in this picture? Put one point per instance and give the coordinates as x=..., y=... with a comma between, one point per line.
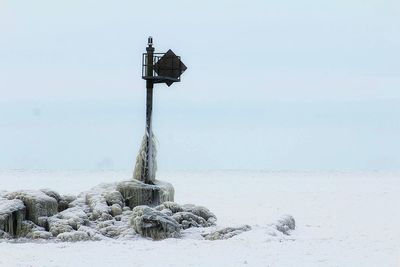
x=342, y=219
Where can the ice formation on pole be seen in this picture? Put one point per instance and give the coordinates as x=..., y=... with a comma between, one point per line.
x=146, y=162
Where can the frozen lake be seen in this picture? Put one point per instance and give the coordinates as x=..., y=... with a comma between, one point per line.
x=343, y=219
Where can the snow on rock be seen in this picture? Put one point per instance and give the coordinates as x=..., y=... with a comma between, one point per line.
x=57, y=226
x=105, y=212
x=116, y=210
x=285, y=224
x=12, y=212
x=92, y=233
x=188, y=219
x=114, y=198
x=39, y=235
x=152, y=223
x=201, y=211
x=62, y=200
x=226, y=233
x=74, y=236
x=97, y=204
x=138, y=193
x=172, y=206
x=37, y=204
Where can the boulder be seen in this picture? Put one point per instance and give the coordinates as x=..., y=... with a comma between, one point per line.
x=51, y=193
x=64, y=202
x=226, y=233
x=285, y=224
x=74, y=236
x=57, y=226
x=201, y=211
x=74, y=217
x=172, y=206
x=37, y=204
x=188, y=219
x=12, y=213
x=116, y=210
x=40, y=235
x=151, y=223
x=114, y=197
x=136, y=193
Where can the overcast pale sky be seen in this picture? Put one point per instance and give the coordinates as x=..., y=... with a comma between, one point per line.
x=273, y=85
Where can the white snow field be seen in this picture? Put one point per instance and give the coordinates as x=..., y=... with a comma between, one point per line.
x=342, y=219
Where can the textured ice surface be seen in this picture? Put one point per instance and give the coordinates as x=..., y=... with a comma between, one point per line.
x=227, y=232
x=151, y=223
x=138, y=193
x=37, y=204
x=12, y=212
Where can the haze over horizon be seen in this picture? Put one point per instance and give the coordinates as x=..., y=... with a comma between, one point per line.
x=270, y=85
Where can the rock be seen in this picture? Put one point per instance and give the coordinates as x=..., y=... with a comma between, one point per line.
x=99, y=199
x=37, y=204
x=116, y=210
x=137, y=193
x=51, y=193
x=58, y=226
x=40, y=235
x=172, y=206
x=201, y=211
x=74, y=236
x=151, y=223
x=227, y=232
x=97, y=204
x=74, y=217
x=12, y=213
x=110, y=231
x=167, y=212
x=4, y=235
x=28, y=227
x=64, y=202
x=188, y=219
x=92, y=233
x=114, y=197
x=285, y=224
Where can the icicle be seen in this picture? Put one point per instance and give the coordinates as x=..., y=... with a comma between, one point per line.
x=141, y=159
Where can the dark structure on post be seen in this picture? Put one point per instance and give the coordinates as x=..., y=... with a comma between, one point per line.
x=156, y=68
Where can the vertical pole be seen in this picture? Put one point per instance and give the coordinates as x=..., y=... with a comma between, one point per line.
x=148, y=175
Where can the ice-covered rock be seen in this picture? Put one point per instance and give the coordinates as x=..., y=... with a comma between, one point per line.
x=64, y=202
x=92, y=233
x=188, y=219
x=37, y=204
x=51, y=193
x=172, y=206
x=116, y=210
x=114, y=197
x=201, y=211
x=28, y=227
x=151, y=223
x=12, y=213
x=74, y=236
x=57, y=226
x=188, y=215
x=285, y=224
x=136, y=193
x=74, y=217
x=40, y=235
x=226, y=233
x=98, y=204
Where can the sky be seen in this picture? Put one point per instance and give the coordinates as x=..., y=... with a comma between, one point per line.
x=270, y=85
